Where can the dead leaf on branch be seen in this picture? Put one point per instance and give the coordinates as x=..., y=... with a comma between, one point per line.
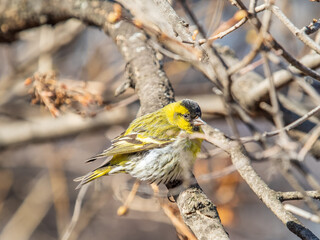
x=46, y=90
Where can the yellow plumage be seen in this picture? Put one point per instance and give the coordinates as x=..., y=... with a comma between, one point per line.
x=155, y=147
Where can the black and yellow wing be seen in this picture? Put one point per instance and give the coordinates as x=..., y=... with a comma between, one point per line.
x=144, y=133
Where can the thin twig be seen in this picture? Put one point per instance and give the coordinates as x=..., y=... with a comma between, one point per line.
x=232, y=28
x=224, y=33
x=277, y=115
x=192, y=16
x=252, y=6
x=293, y=124
x=76, y=212
x=312, y=138
x=288, y=175
x=249, y=57
x=272, y=43
x=307, y=88
x=287, y=196
x=122, y=210
x=261, y=189
x=302, y=213
x=296, y=32
x=177, y=223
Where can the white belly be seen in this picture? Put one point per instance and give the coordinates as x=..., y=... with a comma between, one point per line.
x=162, y=165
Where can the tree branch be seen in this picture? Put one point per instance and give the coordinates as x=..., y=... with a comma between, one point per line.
x=289, y=196
x=151, y=84
x=269, y=197
x=299, y=33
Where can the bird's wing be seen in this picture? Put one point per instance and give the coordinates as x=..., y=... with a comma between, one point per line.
x=132, y=143
x=138, y=138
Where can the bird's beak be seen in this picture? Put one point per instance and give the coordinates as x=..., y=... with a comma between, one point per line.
x=198, y=122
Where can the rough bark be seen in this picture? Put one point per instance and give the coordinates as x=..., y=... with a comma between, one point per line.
x=144, y=72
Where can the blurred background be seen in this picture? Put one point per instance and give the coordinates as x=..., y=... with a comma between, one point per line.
x=40, y=154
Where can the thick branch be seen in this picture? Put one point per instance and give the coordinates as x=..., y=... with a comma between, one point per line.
x=198, y=212
x=143, y=68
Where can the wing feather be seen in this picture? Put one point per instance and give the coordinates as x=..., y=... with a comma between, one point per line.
x=138, y=138
x=134, y=142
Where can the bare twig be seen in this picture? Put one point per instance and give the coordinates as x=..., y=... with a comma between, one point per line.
x=192, y=16
x=312, y=138
x=249, y=57
x=252, y=6
x=267, y=195
x=287, y=196
x=76, y=212
x=226, y=32
x=307, y=88
x=286, y=171
x=293, y=124
x=286, y=128
x=177, y=222
x=275, y=45
x=302, y=213
x=122, y=210
x=234, y=27
x=260, y=90
x=277, y=115
x=36, y=204
x=299, y=33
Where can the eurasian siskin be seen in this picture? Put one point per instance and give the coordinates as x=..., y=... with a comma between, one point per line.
x=156, y=147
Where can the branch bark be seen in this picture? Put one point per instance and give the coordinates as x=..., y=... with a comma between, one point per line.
x=143, y=68
x=154, y=91
x=269, y=197
x=289, y=196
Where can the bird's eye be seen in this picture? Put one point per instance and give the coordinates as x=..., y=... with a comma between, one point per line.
x=186, y=116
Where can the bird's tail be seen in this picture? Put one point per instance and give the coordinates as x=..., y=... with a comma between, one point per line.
x=99, y=172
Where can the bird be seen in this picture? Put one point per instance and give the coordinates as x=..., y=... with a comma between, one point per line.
x=156, y=148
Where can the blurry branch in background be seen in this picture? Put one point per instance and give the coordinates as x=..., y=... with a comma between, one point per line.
x=122, y=210
x=246, y=95
x=59, y=187
x=63, y=35
x=268, y=196
x=56, y=96
x=299, y=33
x=44, y=128
x=31, y=212
x=151, y=84
x=76, y=212
x=6, y=181
x=302, y=213
x=272, y=43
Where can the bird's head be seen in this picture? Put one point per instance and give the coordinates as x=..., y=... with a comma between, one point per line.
x=185, y=114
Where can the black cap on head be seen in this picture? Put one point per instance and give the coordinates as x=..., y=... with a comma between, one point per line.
x=193, y=108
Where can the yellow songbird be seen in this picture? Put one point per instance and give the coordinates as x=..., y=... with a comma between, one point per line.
x=156, y=147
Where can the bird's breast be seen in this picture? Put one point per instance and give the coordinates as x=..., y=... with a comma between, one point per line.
x=161, y=165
